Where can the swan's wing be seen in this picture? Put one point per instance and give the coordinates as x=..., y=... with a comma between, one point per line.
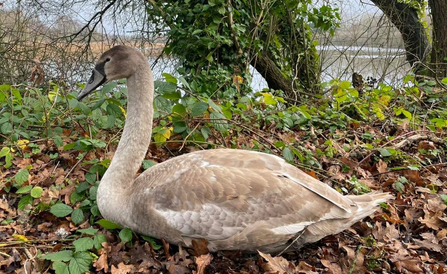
x=219, y=193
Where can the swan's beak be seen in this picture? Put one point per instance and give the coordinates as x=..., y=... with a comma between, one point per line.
x=95, y=81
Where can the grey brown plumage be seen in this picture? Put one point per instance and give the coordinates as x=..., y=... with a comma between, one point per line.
x=235, y=199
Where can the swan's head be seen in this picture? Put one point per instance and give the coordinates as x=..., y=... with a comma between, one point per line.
x=116, y=63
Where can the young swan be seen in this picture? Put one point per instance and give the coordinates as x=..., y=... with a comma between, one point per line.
x=235, y=199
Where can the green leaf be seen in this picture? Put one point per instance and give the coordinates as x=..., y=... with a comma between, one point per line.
x=80, y=263
x=399, y=187
x=77, y=216
x=6, y=128
x=126, y=235
x=58, y=141
x=152, y=242
x=98, y=240
x=108, y=224
x=198, y=109
x=60, y=267
x=205, y=132
x=269, y=99
x=179, y=108
x=345, y=84
x=113, y=110
x=443, y=196
x=170, y=78
x=95, y=211
x=26, y=200
x=83, y=244
x=384, y=152
x=287, y=154
x=88, y=231
x=109, y=87
x=148, y=163
x=61, y=256
x=5, y=151
x=24, y=189
x=21, y=176
x=61, y=210
x=36, y=192
x=179, y=126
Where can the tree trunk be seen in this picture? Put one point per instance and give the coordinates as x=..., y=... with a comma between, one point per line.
x=406, y=20
x=272, y=74
x=439, y=53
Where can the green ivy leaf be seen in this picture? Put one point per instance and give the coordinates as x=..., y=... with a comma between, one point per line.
x=61, y=256
x=83, y=244
x=36, y=192
x=77, y=216
x=61, y=210
x=108, y=224
x=126, y=235
x=80, y=263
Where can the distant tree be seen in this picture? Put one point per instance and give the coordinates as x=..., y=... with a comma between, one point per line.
x=406, y=15
x=438, y=10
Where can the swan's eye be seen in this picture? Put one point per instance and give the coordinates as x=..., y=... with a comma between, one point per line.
x=107, y=59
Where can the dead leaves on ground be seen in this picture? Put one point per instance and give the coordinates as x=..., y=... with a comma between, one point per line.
x=408, y=236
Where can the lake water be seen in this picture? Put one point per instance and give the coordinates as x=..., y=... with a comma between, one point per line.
x=384, y=64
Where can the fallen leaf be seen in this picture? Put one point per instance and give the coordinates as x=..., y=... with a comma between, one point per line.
x=122, y=269
x=202, y=262
x=277, y=264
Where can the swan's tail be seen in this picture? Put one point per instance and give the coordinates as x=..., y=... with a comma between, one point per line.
x=368, y=203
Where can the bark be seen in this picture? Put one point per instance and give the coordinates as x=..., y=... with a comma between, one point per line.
x=406, y=20
x=272, y=74
x=439, y=53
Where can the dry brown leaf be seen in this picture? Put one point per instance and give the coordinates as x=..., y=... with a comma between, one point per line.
x=333, y=268
x=277, y=264
x=382, y=167
x=432, y=220
x=200, y=247
x=202, y=262
x=410, y=265
x=101, y=263
x=436, y=204
x=122, y=269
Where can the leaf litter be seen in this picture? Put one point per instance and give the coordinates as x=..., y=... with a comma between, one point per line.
x=409, y=235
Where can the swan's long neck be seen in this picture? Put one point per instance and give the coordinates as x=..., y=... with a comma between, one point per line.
x=132, y=147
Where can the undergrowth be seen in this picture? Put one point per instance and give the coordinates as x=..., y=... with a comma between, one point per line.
x=55, y=150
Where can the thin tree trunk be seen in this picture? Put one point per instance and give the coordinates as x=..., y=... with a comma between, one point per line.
x=406, y=20
x=439, y=53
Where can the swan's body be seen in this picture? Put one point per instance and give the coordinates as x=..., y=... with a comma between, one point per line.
x=235, y=199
